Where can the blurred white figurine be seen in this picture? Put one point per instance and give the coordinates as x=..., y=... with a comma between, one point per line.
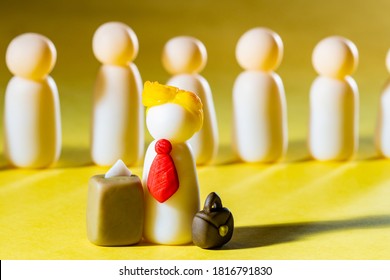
x=169, y=176
x=259, y=102
x=382, y=136
x=184, y=57
x=117, y=121
x=32, y=119
x=334, y=101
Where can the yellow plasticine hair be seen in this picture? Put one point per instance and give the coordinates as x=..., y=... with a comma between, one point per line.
x=155, y=94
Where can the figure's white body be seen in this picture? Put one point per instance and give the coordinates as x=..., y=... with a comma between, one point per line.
x=334, y=101
x=184, y=57
x=117, y=120
x=171, y=222
x=259, y=113
x=382, y=136
x=204, y=143
x=333, y=133
x=32, y=120
x=259, y=102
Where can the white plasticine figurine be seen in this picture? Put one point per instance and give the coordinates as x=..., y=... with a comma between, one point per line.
x=334, y=101
x=185, y=57
x=171, y=201
x=382, y=135
x=259, y=102
x=118, y=116
x=32, y=120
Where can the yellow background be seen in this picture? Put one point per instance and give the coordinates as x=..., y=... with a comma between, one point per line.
x=294, y=209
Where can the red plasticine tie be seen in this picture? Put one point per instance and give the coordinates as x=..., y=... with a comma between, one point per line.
x=163, y=181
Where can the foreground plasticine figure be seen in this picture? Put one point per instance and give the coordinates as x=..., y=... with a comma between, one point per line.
x=334, y=101
x=32, y=120
x=117, y=118
x=169, y=176
x=185, y=57
x=259, y=102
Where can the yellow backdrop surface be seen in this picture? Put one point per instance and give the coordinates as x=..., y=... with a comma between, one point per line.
x=294, y=209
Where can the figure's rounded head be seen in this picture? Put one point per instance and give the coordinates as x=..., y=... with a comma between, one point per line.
x=184, y=55
x=170, y=121
x=31, y=56
x=115, y=43
x=259, y=49
x=172, y=114
x=335, y=57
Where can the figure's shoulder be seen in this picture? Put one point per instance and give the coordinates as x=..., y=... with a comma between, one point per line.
x=184, y=149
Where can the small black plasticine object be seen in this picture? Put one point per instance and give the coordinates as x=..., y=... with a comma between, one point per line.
x=213, y=226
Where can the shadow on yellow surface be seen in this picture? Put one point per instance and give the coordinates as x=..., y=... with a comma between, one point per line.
x=74, y=157
x=268, y=235
x=298, y=152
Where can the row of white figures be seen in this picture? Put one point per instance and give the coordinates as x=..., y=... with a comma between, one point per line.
x=117, y=128
x=259, y=102
x=32, y=114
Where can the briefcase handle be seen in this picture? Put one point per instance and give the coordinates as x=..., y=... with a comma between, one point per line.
x=212, y=203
